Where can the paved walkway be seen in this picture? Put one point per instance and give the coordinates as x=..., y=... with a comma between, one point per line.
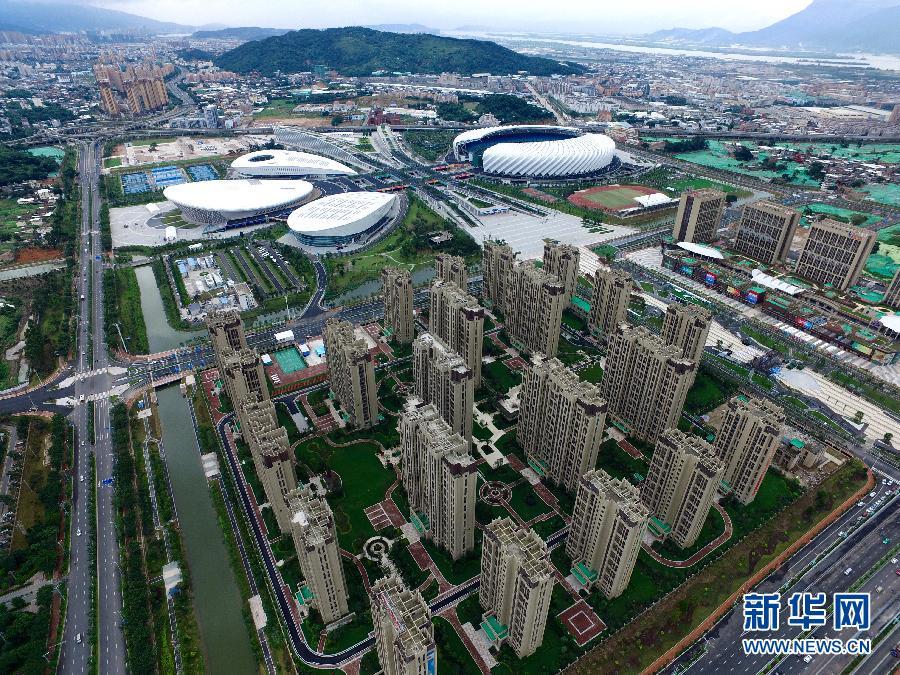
x=703, y=552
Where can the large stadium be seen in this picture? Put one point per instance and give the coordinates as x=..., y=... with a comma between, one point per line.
x=218, y=204
x=536, y=151
x=343, y=219
x=288, y=164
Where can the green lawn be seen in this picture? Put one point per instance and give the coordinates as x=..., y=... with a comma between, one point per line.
x=500, y=378
x=456, y=571
x=593, y=373
x=712, y=528
x=618, y=463
x=452, y=654
x=706, y=393
x=526, y=502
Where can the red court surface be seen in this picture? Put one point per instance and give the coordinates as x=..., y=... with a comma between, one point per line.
x=581, y=622
x=630, y=449
x=516, y=363
x=377, y=516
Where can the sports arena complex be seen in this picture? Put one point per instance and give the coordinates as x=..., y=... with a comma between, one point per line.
x=343, y=219
x=288, y=164
x=222, y=204
x=536, y=151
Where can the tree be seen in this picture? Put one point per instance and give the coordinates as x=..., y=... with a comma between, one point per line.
x=336, y=120
x=742, y=153
x=887, y=437
x=816, y=170
x=858, y=219
x=858, y=417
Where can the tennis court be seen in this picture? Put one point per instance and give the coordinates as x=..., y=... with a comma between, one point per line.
x=134, y=183
x=290, y=360
x=200, y=172
x=164, y=176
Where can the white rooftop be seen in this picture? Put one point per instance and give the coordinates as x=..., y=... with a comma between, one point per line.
x=654, y=199
x=343, y=208
x=262, y=162
x=891, y=322
x=237, y=195
x=701, y=249
x=769, y=281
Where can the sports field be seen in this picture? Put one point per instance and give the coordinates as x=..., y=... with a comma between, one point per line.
x=290, y=360
x=610, y=198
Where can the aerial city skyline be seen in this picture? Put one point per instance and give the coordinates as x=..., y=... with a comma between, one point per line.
x=414, y=340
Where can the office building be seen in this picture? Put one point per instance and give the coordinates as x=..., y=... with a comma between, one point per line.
x=458, y=320
x=351, y=373
x=835, y=254
x=443, y=379
x=609, y=300
x=561, y=421
x=765, y=231
x=747, y=442
x=318, y=552
x=892, y=293
x=682, y=480
x=645, y=382
x=535, y=301
x=498, y=261
x=608, y=523
x=699, y=214
x=398, y=304
x=404, y=633
x=516, y=584
x=562, y=261
x=687, y=326
x=440, y=477
x=452, y=269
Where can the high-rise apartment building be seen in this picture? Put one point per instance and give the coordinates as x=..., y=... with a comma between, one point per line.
x=766, y=231
x=608, y=523
x=351, y=372
x=699, y=214
x=835, y=253
x=645, y=382
x=535, y=301
x=443, y=379
x=892, y=293
x=609, y=300
x=561, y=421
x=562, y=261
x=498, y=261
x=452, y=269
x=746, y=443
x=440, y=477
x=516, y=583
x=687, y=326
x=404, y=633
x=458, y=320
x=243, y=375
x=681, y=483
x=143, y=88
x=398, y=304
x=226, y=331
x=318, y=552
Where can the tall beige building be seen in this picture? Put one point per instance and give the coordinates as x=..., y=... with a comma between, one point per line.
x=562, y=261
x=243, y=375
x=835, y=253
x=646, y=381
x=609, y=300
x=271, y=452
x=681, y=483
x=747, y=442
x=535, y=301
x=440, y=477
x=398, y=303
x=404, y=633
x=498, y=261
x=318, y=552
x=458, y=320
x=443, y=379
x=351, y=371
x=516, y=583
x=608, y=523
x=226, y=331
x=892, y=293
x=699, y=214
x=766, y=231
x=452, y=269
x=687, y=326
x=561, y=421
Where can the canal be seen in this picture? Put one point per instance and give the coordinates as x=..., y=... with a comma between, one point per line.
x=160, y=335
x=217, y=600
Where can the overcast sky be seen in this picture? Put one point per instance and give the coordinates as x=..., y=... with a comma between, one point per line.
x=598, y=16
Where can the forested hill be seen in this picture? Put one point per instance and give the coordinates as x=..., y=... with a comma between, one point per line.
x=361, y=51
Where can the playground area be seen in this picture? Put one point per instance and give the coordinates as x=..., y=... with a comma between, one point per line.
x=610, y=198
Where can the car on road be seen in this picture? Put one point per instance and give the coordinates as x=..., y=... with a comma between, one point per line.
x=872, y=493
x=807, y=658
x=81, y=479
x=897, y=571
x=78, y=532
x=842, y=534
x=848, y=571
x=860, y=503
x=79, y=637
x=893, y=561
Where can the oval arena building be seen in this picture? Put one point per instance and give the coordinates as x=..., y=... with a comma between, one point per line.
x=343, y=218
x=288, y=164
x=237, y=203
x=536, y=151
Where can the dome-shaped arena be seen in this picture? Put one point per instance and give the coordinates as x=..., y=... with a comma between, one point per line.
x=235, y=203
x=288, y=164
x=341, y=219
x=536, y=151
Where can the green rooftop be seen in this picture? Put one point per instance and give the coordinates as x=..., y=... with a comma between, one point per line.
x=540, y=467
x=658, y=527
x=797, y=443
x=303, y=596
x=581, y=304
x=420, y=522
x=585, y=575
x=495, y=630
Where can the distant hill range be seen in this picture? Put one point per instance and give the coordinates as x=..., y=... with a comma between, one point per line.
x=362, y=51
x=244, y=33
x=65, y=17
x=835, y=25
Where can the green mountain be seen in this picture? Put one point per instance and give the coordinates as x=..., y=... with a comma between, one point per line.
x=361, y=51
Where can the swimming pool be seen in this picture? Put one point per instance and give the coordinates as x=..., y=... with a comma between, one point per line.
x=289, y=360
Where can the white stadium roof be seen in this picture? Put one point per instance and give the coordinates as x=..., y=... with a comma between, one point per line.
x=769, y=281
x=482, y=133
x=340, y=215
x=237, y=195
x=266, y=163
x=700, y=249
